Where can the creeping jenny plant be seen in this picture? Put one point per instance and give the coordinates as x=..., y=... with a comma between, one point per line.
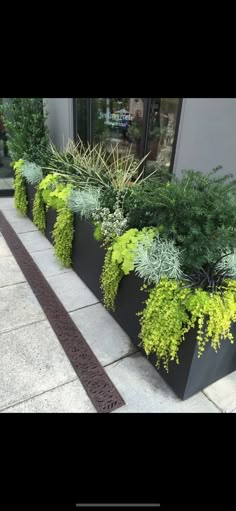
x=20, y=198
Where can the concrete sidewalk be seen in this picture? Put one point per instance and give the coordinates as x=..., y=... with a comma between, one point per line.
x=36, y=375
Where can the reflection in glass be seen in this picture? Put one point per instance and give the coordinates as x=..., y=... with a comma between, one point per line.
x=118, y=121
x=161, y=131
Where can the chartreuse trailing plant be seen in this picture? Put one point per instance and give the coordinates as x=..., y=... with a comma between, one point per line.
x=123, y=250
x=119, y=261
x=63, y=236
x=172, y=309
x=20, y=197
x=110, y=279
x=32, y=172
x=55, y=192
x=39, y=214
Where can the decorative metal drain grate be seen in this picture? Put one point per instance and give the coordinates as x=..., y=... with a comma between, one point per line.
x=100, y=389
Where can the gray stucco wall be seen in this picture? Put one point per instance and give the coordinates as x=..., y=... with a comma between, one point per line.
x=60, y=119
x=207, y=135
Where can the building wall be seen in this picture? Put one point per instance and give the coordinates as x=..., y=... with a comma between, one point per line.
x=207, y=135
x=60, y=119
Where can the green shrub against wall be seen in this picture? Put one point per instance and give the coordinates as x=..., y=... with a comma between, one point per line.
x=24, y=119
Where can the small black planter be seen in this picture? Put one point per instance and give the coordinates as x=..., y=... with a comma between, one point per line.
x=51, y=216
x=30, y=192
x=87, y=255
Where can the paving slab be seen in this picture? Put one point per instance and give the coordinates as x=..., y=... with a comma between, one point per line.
x=10, y=272
x=144, y=391
x=4, y=249
x=14, y=214
x=31, y=362
x=106, y=338
x=34, y=241
x=18, y=307
x=47, y=263
x=68, y=398
x=6, y=203
x=23, y=225
x=72, y=291
x=223, y=392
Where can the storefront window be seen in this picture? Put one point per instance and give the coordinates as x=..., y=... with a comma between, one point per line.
x=118, y=121
x=161, y=131
x=82, y=118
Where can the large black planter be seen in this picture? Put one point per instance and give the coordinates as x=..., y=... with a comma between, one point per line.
x=30, y=192
x=192, y=374
x=51, y=216
x=87, y=255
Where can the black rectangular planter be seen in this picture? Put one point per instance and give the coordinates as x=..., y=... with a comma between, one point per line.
x=51, y=216
x=87, y=255
x=192, y=374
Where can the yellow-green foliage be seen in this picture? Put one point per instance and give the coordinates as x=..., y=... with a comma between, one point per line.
x=110, y=279
x=215, y=312
x=123, y=249
x=20, y=197
x=54, y=192
x=171, y=310
x=39, y=217
x=63, y=236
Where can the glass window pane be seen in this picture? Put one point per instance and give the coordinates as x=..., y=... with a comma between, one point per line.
x=82, y=118
x=118, y=121
x=161, y=131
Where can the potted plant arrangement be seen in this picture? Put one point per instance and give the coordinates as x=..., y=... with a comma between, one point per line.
x=160, y=252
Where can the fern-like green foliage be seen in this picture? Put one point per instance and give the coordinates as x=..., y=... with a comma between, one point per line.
x=172, y=309
x=20, y=197
x=32, y=173
x=39, y=215
x=85, y=202
x=63, y=236
x=156, y=258
x=199, y=213
x=55, y=192
x=110, y=279
x=123, y=250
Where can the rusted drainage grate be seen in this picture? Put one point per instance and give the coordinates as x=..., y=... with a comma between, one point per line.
x=100, y=389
